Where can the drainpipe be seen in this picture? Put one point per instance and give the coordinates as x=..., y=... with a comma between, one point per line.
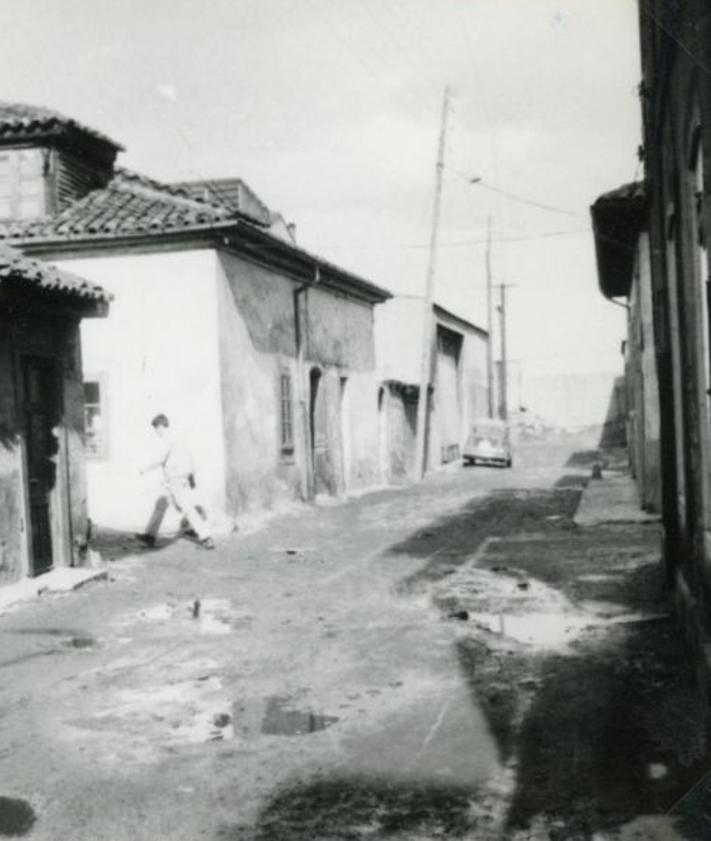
x=301, y=334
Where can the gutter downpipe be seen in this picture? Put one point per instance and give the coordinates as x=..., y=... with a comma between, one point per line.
x=301, y=334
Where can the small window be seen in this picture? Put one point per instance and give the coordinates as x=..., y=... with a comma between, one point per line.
x=22, y=184
x=286, y=414
x=95, y=418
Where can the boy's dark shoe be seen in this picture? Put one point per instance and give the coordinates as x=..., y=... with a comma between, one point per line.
x=207, y=543
x=146, y=539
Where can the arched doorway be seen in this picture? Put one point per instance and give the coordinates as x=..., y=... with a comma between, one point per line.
x=318, y=425
x=383, y=435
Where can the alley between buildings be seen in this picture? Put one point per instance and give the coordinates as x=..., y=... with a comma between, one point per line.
x=454, y=660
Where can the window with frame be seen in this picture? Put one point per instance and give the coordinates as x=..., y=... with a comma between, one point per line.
x=95, y=418
x=286, y=414
x=22, y=184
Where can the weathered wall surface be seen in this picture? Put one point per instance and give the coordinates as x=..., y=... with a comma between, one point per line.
x=642, y=385
x=156, y=352
x=57, y=340
x=257, y=344
x=398, y=339
x=341, y=342
x=340, y=331
x=401, y=408
x=12, y=552
x=399, y=325
x=676, y=105
x=471, y=385
x=73, y=474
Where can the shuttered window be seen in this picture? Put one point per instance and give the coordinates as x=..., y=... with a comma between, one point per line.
x=286, y=414
x=22, y=188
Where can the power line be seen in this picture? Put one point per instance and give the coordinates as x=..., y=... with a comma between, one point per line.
x=457, y=244
x=514, y=197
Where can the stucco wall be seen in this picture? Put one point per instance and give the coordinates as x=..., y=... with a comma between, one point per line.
x=398, y=331
x=341, y=342
x=257, y=343
x=642, y=386
x=401, y=414
x=157, y=352
x=398, y=339
x=257, y=338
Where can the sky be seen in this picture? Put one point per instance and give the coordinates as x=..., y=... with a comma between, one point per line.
x=331, y=112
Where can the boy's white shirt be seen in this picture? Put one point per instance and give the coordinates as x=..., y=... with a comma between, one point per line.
x=174, y=458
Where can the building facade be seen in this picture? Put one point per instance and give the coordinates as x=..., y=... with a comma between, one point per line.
x=459, y=392
x=260, y=353
x=43, y=505
x=675, y=95
x=623, y=250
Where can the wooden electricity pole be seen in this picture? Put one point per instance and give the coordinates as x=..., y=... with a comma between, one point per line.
x=489, y=323
x=503, y=379
x=427, y=318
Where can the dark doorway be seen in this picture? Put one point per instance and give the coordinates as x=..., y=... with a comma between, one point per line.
x=320, y=455
x=41, y=413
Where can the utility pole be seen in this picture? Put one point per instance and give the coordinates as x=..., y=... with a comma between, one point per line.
x=489, y=322
x=423, y=397
x=503, y=395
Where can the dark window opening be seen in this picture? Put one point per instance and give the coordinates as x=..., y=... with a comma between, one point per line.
x=286, y=416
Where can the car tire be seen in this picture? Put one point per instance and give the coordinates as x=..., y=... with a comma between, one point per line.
x=509, y=462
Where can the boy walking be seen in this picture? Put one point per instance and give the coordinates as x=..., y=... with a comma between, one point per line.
x=178, y=481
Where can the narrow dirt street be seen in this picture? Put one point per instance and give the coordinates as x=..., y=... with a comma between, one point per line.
x=455, y=660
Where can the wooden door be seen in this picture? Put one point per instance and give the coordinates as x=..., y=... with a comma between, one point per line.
x=41, y=414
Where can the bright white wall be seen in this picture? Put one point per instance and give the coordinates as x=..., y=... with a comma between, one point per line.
x=159, y=352
x=398, y=339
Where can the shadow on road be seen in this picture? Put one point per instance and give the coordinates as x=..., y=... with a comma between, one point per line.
x=615, y=731
x=114, y=544
x=450, y=541
x=348, y=808
x=599, y=732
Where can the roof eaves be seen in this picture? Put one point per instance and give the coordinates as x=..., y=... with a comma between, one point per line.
x=328, y=270
x=618, y=219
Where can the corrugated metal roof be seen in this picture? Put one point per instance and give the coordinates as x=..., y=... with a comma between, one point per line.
x=15, y=266
x=19, y=119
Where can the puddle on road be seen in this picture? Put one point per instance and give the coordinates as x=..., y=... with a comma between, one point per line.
x=280, y=721
x=17, y=817
x=555, y=630
x=79, y=642
x=207, y=616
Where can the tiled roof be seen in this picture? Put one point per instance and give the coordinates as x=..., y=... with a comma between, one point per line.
x=19, y=119
x=15, y=266
x=232, y=192
x=130, y=204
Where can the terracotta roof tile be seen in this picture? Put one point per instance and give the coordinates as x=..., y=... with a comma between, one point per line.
x=15, y=266
x=17, y=118
x=232, y=192
x=129, y=204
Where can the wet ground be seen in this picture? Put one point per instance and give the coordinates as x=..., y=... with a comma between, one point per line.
x=455, y=660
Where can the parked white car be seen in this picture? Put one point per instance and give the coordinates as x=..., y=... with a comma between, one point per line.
x=488, y=443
